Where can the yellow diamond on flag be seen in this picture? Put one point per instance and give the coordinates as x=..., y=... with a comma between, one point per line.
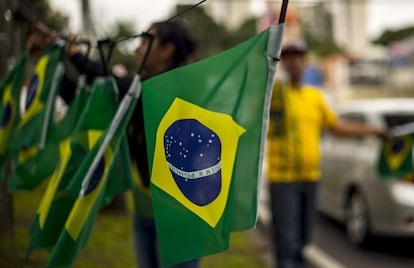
x=33, y=102
x=85, y=202
x=65, y=154
x=6, y=122
x=194, y=155
x=397, y=150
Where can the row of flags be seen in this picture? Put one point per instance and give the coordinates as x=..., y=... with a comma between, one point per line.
x=205, y=124
x=62, y=153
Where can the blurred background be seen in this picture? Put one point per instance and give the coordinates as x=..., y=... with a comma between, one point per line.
x=359, y=48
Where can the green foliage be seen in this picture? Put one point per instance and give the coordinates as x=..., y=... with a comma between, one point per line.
x=389, y=36
x=318, y=31
x=108, y=249
x=211, y=36
x=40, y=10
x=124, y=53
x=322, y=48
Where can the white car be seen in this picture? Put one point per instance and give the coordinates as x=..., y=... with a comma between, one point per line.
x=351, y=189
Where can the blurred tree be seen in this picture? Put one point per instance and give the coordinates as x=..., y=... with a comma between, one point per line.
x=389, y=36
x=124, y=53
x=28, y=12
x=17, y=17
x=318, y=31
x=211, y=36
x=321, y=47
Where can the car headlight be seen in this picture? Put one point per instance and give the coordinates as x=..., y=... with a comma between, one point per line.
x=403, y=192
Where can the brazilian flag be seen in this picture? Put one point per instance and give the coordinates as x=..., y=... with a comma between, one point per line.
x=396, y=158
x=206, y=127
x=57, y=202
x=34, y=125
x=94, y=191
x=10, y=89
x=34, y=171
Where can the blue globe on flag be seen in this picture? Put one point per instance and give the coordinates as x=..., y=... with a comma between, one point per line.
x=31, y=91
x=193, y=154
x=6, y=115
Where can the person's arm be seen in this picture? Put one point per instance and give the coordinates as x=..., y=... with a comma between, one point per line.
x=95, y=69
x=353, y=129
x=86, y=66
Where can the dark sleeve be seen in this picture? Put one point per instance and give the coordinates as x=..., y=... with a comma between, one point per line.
x=94, y=69
x=137, y=142
x=68, y=88
x=90, y=68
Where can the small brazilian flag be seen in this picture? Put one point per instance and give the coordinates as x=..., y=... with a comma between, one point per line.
x=57, y=202
x=34, y=125
x=30, y=174
x=10, y=89
x=396, y=157
x=206, y=125
x=93, y=192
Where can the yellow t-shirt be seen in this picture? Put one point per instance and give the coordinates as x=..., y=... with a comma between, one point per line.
x=297, y=118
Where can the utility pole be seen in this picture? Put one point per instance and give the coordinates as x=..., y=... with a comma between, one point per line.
x=87, y=24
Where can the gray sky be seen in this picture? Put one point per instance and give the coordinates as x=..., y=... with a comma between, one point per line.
x=382, y=14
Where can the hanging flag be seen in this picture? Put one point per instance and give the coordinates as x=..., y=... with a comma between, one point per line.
x=32, y=129
x=33, y=172
x=10, y=89
x=57, y=202
x=206, y=127
x=396, y=158
x=93, y=185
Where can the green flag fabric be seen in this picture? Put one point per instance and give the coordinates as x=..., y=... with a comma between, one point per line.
x=396, y=158
x=10, y=89
x=31, y=131
x=205, y=126
x=30, y=174
x=96, y=190
x=57, y=201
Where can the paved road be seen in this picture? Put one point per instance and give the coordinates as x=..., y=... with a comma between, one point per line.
x=385, y=253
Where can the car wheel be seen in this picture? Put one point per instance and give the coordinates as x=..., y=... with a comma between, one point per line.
x=357, y=221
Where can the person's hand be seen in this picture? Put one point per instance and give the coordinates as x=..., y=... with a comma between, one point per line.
x=40, y=38
x=35, y=43
x=72, y=48
x=383, y=134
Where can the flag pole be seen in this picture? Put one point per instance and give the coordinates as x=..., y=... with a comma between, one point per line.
x=283, y=11
x=60, y=69
x=274, y=47
x=134, y=91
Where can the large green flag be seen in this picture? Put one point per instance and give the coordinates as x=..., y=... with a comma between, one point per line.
x=94, y=185
x=10, y=88
x=34, y=171
x=206, y=127
x=57, y=201
x=396, y=157
x=31, y=131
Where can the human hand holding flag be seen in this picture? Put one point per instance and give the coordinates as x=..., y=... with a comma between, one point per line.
x=396, y=154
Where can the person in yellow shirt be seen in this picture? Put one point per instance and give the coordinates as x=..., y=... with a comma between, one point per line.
x=298, y=116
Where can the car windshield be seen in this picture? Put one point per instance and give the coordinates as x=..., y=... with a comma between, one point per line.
x=393, y=120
